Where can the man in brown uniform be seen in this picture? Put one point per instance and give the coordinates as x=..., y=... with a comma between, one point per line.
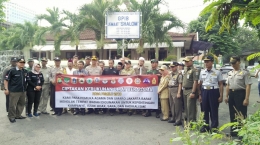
x=75, y=62
x=190, y=83
x=94, y=70
x=175, y=86
x=164, y=92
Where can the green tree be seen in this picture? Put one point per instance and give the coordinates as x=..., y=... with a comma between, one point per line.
x=56, y=27
x=95, y=19
x=2, y=14
x=223, y=43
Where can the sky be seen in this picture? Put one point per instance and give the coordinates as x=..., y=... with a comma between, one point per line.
x=186, y=10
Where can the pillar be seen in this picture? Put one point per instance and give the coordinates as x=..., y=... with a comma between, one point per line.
x=93, y=52
x=47, y=54
x=52, y=54
x=109, y=57
x=146, y=50
x=178, y=53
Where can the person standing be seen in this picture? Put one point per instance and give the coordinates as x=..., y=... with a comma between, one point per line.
x=45, y=87
x=127, y=71
x=13, y=65
x=81, y=72
x=210, y=94
x=35, y=81
x=175, y=86
x=15, y=87
x=119, y=66
x=87, y=61
x=112, y=72
x=30, y=64
x=189, y=84
x=154, y=71
x=237, y=91
x=57, y=69
x=102, y=65
x=94, y=70
x=75, y=62
x=164, y=92
x=257, y=74
x=122, y=60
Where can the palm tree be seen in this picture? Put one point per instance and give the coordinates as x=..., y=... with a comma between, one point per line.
x=95, y=18
x=55, y=28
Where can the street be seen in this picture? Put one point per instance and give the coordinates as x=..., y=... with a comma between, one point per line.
x=96, y=129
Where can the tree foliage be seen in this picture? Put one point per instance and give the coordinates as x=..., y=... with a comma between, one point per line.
x=2, y=14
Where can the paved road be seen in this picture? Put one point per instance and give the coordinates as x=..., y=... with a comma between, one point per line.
x=94, y=129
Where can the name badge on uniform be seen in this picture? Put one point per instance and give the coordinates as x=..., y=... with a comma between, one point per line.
x=188, y=76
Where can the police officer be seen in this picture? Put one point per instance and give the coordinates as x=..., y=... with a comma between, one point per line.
x=190, y=84
x=45, y=70
x=175, y=86
x=128, y=71
x=111, y=71
x=237, y=91
x=53, y=72
x=30, y=63
x=154, y=71
x=13, y=65
x=164, y=92
x=15, y=87
x=93, y=70
x=87, y=61
x=210, y=94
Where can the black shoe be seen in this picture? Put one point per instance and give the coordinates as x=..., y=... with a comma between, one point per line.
x=21, y=117
x=12, y=120
x=231, y=135
x=157, y=115
x=147, y=114
x=59, y=114
x=171, y=121
x=75, y=113
x=177, y=124
x=164, y=119
x=45, y=113
x=130, y=113
x=204, y=129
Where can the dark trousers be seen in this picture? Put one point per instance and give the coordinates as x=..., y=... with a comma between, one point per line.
x=210, y=106
x=56, y=110
x=112, y=110
x=235, y=101
x=82, y=110
x=7, y=102
x=33, y=99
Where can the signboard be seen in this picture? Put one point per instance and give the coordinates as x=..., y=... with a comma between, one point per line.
x=122, y=25
x=131, y=92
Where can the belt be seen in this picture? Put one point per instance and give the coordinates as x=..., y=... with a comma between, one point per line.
x=209, y=87
x=234, y=90
x=172, y=86
x=187, y=88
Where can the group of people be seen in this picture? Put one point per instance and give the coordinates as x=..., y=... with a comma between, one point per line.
x=180, y=87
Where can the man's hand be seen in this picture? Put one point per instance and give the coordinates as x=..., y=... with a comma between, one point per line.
x=192, y=95
x=220, y=99
x=178, y=95
x=226, y=100
x=38, y=88
x=6, y=92
x=200, y=99
x=159, y=93
x=53, y=82
x=246, y=102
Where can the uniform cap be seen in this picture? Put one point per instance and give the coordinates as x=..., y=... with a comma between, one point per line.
x=44, y=59
x=93, y=57
x=174, y=64
x=188, y=58
x=208, y=58
x=87, y=57
x=128, y=62
x=70, y=60
x=30, y=60
x=56, y=59
x=141, y=58
x=234, y=59
x=163, y=67
x=14, y=59
x=21, y=60
x=154, y=61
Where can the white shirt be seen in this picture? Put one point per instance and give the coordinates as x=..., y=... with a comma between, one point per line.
x=258, y=78
x=210, y=78
x=70, y=71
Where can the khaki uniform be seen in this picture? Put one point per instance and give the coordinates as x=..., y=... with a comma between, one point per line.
x=45, y=89
x=94, y=70
x=75, y=66
x=190, y=75
x=164, y=96
x=141, y=70
x=129, y=71
x=175, y=103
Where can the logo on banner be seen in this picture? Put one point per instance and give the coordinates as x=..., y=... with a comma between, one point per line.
x=137, y=81
x=89, y=80
x=146, y=81
x=97, y=79
x=59, y=80
x=104, y=81
x=74, y=80
x=113, y=81
x=81, y=80
x=154, y=81
x=66, y=80
x=129, y=81
x=120, y=80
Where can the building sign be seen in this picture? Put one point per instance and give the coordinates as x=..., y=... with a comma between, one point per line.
x=129, y=92
x=121, y=25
